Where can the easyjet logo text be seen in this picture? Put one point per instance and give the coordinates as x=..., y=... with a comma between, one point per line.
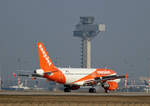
x=103, y=72
x=45, y=55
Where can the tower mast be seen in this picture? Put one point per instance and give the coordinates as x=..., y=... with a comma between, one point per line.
x=87, y=30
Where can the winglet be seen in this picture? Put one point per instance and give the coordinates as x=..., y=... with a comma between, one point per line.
x=126, y=75
x=14, y=74
x=45, y=61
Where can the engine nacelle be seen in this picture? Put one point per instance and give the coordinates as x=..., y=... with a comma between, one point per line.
x=110, y=85
x=39, y=72
x=105, y=85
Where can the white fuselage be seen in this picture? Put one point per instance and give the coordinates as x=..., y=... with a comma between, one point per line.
x=74, y=74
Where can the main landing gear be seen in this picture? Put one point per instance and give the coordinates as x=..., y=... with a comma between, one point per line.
x=92, y=90
x=67, y=89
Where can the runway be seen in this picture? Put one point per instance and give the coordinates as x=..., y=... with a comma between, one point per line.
x=61, y=93
x=36, y=98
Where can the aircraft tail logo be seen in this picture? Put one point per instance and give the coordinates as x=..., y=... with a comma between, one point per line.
x=45, y=61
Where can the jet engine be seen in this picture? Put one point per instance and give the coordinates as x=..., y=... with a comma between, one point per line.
x=105, y=85
x=110, y=85
x=39, y=72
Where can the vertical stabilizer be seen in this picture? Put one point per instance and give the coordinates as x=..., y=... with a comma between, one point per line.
x=45, y=61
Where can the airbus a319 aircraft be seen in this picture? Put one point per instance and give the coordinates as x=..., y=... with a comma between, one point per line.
x=73, y=78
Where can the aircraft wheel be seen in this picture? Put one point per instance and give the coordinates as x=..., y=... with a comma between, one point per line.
x=106, y=90
x=67, y=90
x=92, y=90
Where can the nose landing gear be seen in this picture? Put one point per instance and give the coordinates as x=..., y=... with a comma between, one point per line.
x=106, y=90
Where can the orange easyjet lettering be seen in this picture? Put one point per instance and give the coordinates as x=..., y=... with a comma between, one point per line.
x=45, y=55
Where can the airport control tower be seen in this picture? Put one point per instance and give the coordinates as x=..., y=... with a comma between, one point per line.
x=87, y=30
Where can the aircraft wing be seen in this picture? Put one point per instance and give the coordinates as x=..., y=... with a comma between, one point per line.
x=113, y=77
x=29, y=75
x=32, y=75
x=101, y=80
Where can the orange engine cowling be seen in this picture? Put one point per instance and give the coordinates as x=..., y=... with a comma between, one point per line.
x=112, y=85
x=75, y=87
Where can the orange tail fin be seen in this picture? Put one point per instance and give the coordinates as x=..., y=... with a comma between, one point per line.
x=45, y=61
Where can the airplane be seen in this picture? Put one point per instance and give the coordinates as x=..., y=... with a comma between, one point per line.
x=74, y=78
x=20, y=86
